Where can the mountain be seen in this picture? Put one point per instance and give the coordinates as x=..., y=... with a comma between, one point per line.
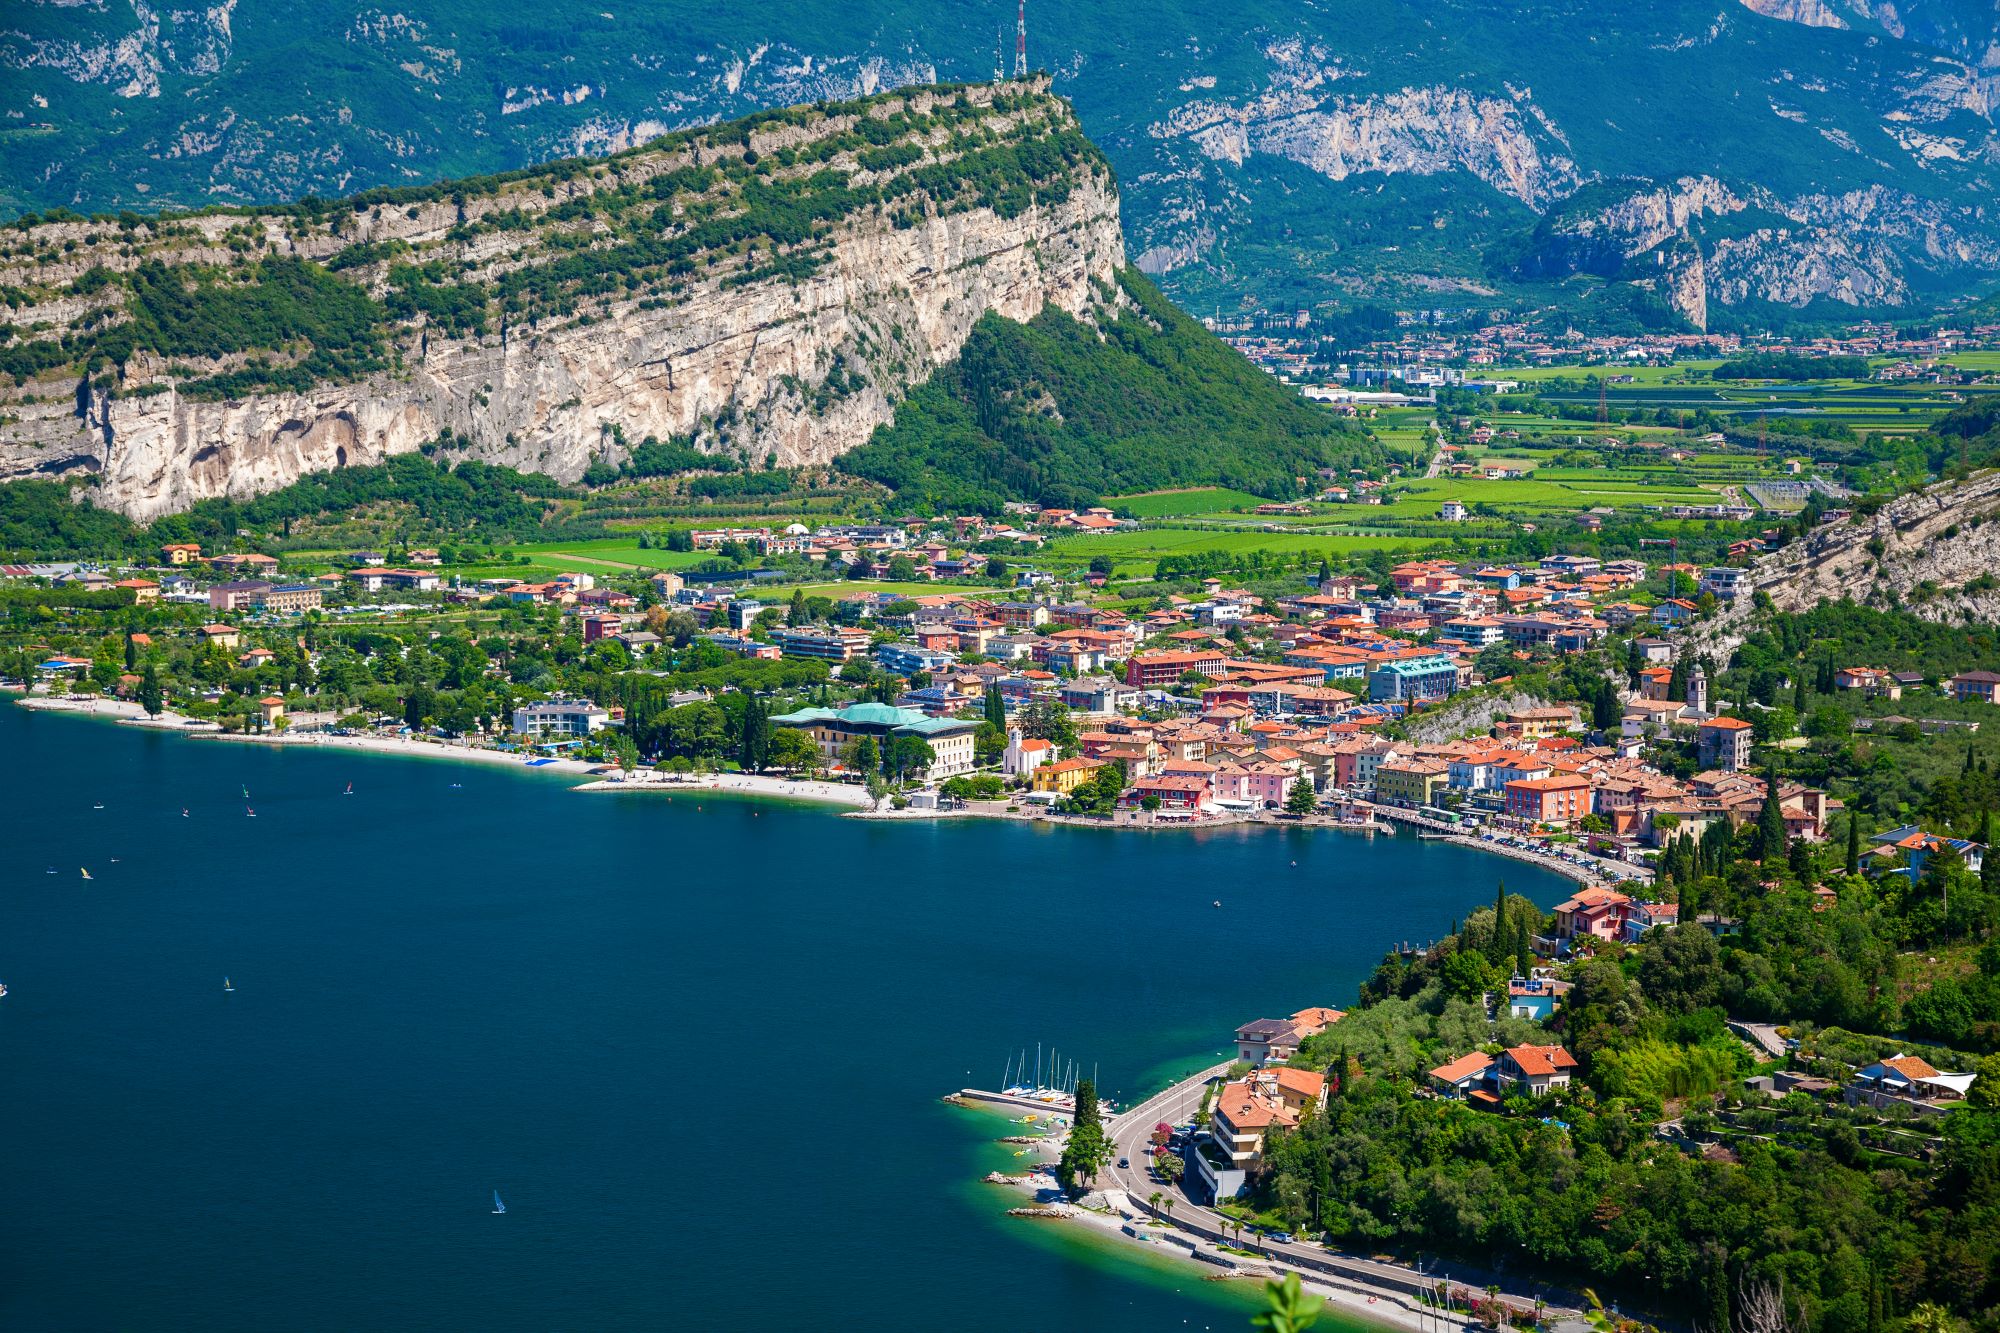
x=1667, y=163
x=772, y=292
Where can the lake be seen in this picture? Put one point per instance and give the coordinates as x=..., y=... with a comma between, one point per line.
x=697, y=1044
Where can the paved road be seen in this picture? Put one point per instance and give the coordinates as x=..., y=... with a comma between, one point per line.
x=1129, y=1132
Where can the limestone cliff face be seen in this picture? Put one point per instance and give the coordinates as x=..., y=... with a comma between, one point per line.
x=788, y=368
x=1932, y=551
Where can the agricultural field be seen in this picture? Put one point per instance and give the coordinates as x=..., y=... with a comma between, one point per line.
x=1176, y=504
x=1151, y=543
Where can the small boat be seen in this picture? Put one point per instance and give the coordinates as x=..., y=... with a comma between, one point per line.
x=86, y=874
x=1216, y=903
x=498, y=1207
x=246, y=793
x=249, y=812
x=3, y=990
x=53, y=871
x=349, y=791
x=98, y=806
x=184, y=812
x=226, y=987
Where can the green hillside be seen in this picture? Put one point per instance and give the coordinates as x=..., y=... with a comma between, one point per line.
x=1063, y=412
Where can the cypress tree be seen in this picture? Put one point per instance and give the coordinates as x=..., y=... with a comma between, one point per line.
x=996, y=707
x=1854, y=842
x=1770, y=821
x=1524, y=951
x=1715, y=1294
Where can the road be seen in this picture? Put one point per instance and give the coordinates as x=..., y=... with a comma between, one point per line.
x=1130, y=1132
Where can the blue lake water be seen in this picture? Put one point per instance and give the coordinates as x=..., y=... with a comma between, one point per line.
x=696, y=1044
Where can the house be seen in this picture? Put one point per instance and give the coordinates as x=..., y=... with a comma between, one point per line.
x=143, y=591
x=1454, y=511
x=1463, y=1076
x=1908, y=1081
x=272, y=708
x=1976, y=687
x=1724, y=743
x=1596, y=912
x=556, y=718
x=1873, y=682
x=1411, y=782
x=1150, y=670
x=1025, y=754
x=1534, y=1070
x=825, y=643
x=1675, y=611
x=181, y=553
x=1266, y=1039
x=1535, y=998
x=221, y=636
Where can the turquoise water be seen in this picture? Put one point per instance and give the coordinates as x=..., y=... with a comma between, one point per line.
x=697, y=1046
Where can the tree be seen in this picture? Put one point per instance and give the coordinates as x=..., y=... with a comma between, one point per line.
x=1087, y=1149
x=904, y=755
x=153, y=700
x=1302, y=799
x=1985, y=1091
x=1682, y=971
x=1854, y=842
x=754, y=748
x=1770, y=822
x=792, y=750
x=996, y=708
x=862, y=756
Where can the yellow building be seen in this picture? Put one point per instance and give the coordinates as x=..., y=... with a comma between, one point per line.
x=1411, y=782
x=1066, y=775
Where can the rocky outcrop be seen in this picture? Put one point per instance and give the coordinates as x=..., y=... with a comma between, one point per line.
x=790, y=369
x=1933, y=551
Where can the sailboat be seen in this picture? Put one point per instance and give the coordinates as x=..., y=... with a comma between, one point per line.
x=246, y=792
x=184, y=812
x=86, y=874
x=227, y=988
x=498, y=1207
x=250, y=812
x=349, y=791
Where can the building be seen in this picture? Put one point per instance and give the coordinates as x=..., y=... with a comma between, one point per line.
x=221, y=636
x=272, y=708
x=826, y=643
x=1025, y=754
x=559, y=719
x=143, y=591
x=1411, y=782
x=240, y=595
x=291, y=599
x=1533, y=1070
x=1560, y=798
x=1597, y=912
x=1727, y=582
x=1151, y=670
x=1413, y=680
x=181, y=553
x=1908, y=1081
x=1464, y=1077
x=1535, y=998
x=1976, y=687
x=1724, y=743
x=833, y=731
x=1454, y=511
x=1065, y=775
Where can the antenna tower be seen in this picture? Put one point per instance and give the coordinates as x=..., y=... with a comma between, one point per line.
x=999, y=54
x=1021, y=40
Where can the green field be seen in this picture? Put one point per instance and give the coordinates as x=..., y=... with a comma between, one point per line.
x=1155, y=542
x=1174, y=504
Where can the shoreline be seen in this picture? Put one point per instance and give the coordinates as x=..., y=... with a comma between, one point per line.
x=855, y=800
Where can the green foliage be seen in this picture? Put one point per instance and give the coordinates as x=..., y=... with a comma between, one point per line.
x=38, y=519
x=1792, y=366
x=1063, y=413
x=1088, y=1148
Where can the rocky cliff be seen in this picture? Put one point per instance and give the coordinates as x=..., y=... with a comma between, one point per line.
x=1932, y=551
x=770, y=288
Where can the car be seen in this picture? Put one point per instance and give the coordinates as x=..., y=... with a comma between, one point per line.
x=1282, y=1237
x=1123, y=1163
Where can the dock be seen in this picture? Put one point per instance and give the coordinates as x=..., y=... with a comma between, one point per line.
x=1048, y=1102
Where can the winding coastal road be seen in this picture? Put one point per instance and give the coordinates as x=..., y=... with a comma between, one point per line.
x=1130, y=1133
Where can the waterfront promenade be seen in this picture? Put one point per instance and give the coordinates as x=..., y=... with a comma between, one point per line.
x=1416, y=1290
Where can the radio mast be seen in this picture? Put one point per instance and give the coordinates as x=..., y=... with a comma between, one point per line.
x=1021, y=40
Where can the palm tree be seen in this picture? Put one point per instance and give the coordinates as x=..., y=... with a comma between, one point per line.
x=1153, y=1201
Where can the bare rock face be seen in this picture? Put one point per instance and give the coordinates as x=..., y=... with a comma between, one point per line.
x=789, y=369
x=1931, y=551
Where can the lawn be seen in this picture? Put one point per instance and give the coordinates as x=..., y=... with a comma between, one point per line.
x=1155, y=542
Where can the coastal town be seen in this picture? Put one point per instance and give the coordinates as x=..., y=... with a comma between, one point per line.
x=1375, y=699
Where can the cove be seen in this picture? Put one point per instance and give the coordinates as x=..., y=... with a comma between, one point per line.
x=697, y=1044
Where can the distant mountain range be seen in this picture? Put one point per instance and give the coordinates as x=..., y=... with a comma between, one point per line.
x=1668, y=163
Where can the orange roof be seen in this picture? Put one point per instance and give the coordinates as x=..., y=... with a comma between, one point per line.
x=1463, y=1068
x=1317, y=1017
x=1541, y=1059
x=1725, y=724
x=1245, y=1110
x=1304, y=1082
x=1909, y=1066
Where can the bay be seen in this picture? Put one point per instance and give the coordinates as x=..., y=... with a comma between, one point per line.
x=697, y=1045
